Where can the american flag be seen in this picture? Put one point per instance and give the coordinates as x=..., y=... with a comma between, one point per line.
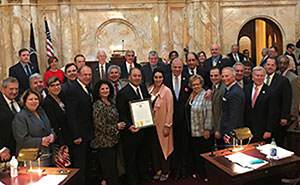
x=49, y=45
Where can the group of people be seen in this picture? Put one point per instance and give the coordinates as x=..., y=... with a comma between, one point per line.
x=67, y=113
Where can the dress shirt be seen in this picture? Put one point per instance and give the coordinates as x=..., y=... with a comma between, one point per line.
x=83, y=86
x=270, y=80
x=24, y=67
x=228, y=87
x=194, y=70
x=135, y=90
x=241, y=83
x=217, y=59
x=253, y=90
x=174, y=81
x=128, y=66
x=153, y=67
x=104, y=69
x=15, y=104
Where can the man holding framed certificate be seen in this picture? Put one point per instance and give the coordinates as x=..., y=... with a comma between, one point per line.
x=135, y=140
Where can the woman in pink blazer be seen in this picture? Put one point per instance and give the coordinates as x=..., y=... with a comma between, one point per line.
x=162, y=146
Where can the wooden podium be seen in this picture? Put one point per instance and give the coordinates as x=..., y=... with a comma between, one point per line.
x=221, y=171
x=25, y=178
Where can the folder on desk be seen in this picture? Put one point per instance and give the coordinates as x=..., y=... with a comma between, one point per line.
x=281, y=152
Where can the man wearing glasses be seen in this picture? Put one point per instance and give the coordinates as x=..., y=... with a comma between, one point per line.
x=128, y=64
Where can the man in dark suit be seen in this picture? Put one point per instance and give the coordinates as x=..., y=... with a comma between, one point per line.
x=178, y=83
x=265, y=55
x=8, y=108
x=192, y=67
x=128, y=64
x=233, y=103
x=258, y=107
x=218, y=89
x=281, y=93
x=147, y=70
x=290, y=48
x=216, y=59
x=70, y=76
x=134, y=140
x=79, y=115
x=235, y=56
x=295, y=84
x=113, y=75
x=99, y=71
x=23, y=70
x=239, y=69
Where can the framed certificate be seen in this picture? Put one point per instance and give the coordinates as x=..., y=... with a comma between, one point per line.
x=141, y=113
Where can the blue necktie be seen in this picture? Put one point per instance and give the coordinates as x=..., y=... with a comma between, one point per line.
x=27, y=70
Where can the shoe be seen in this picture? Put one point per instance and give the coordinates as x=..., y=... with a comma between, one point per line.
x=157, y=175
x=163, y=177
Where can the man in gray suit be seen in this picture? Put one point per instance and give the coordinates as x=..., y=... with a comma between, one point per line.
x=295, y=84
x=218, y=88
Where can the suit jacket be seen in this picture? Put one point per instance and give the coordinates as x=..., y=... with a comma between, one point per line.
x=79, y=112
x=28, y=130
x=124, y=96
x=246, y=81
x=232, y=109
x=295, y=84
x=231, y=58
x=281, y=93
x=259, y=118
x=57, y=119
x=18, y=72
x=96, y=73
x=148, y=74
x=124, y=72
x=217, y=95
x=6, y=136
x=179, y=118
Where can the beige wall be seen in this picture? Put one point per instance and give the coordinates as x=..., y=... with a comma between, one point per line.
x=85, y=26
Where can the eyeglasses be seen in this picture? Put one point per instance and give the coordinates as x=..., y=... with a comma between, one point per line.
x=191, y=59
x=130, y=55
x=158, y=77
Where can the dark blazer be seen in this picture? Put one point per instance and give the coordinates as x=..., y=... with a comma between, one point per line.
x=96, y=73
x=179, y=104
x=232, y=109
x=28, y=130
x=6, y=135
x=259, y=118
x=18, y=72
x=124, y=72
x=200, y=71
x=79, y=113
x=241, y=57
x=57, y=119
x=148, y=74
x=125, y=95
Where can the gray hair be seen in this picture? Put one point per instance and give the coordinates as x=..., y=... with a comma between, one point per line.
x=238, y=64
x=102, y=52
x=194, y=78
x=232, y=71
x=258, y=68
x=153, y=53
x=35, y=75
x=283, y=57
x=9, y=80
x=113, y=67
x=176, y=59
x=129, y=51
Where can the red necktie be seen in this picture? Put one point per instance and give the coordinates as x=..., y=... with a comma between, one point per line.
x=117, y=87
x=254, y=96
x=102, y=72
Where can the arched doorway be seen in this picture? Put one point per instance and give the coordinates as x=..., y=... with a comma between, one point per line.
x=257, y=34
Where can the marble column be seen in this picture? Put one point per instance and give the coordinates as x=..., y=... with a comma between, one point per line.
x=66, y=32
x=189, y=17
x=164, y=36
x=34, y=21
x=197, y=40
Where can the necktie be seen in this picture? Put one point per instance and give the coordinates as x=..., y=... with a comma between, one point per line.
x=89, y=92
x=117, y=87
x=102, y=72
x=254, y=96
x=268, y=80
x=176, y=87
x=192, y=71
x=236, y=58
x=27, y=70
x=138, y=93
x=214, y=62
x=130, y=67
x=240, y=83
x=13, y=109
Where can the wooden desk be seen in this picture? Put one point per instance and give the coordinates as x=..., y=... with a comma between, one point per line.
x=25, y=178
x=221, y=171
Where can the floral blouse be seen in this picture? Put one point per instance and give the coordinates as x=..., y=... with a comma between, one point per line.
x=105, y=118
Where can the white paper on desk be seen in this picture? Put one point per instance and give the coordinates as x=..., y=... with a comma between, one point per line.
x=244, y=160
x=281, y=152
x=51, y=180
x=1, y=183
